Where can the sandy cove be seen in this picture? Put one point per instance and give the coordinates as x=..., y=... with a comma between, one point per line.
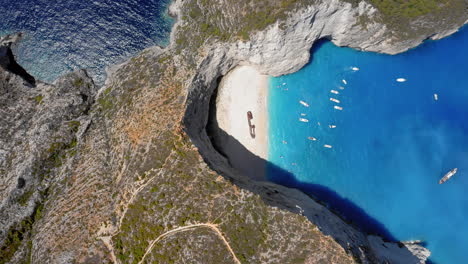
x=242, y=90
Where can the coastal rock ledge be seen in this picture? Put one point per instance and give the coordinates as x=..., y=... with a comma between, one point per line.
x=128, y=172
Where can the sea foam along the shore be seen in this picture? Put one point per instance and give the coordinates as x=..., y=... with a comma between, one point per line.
x=242, y=90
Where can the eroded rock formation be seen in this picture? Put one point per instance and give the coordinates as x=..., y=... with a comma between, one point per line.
x=128, y=173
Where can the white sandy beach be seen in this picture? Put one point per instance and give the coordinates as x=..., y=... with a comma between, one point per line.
x=241, y=90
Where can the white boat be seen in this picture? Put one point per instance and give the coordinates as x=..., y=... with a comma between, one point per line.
x=302, y=114
x=401, y=80
x=338, y=107
x=344, y=81
x=341, y=88
x=284, y=83
x=334, y=92
x=312, y=138
x=304, y=103
x=285, y=142
x=335, y=100
x=327, y=146
x=355, y=68
x=332, y=126
x=448, y=176
x=436, y=97
x=303, y=120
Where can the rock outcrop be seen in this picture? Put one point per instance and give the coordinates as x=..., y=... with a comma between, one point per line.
x=128, y=173
x=39, y=124
x=282, y=48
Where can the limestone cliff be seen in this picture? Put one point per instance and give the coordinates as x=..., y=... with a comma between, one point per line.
x=128, y=174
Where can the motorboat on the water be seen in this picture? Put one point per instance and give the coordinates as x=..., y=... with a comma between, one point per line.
x=304, y=103
x=401, y=80
x=448, y=175
x=327, y=146
x=436, y=97
x=338, y=107
x=303, y=120
x=334, y=92
x=312, y=138
x=335, y=100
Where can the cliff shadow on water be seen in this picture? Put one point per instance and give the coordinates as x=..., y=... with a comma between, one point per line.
x=201, y=125
x=252, y=166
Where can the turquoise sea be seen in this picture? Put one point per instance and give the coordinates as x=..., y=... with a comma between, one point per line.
x=392, y=141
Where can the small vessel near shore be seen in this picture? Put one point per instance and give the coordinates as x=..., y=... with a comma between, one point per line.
x=338, y=107
x=303, y=120
x=448, y=175
x=335, y=100
x=304, y=103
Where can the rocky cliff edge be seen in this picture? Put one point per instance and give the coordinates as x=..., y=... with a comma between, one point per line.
x=128, y=174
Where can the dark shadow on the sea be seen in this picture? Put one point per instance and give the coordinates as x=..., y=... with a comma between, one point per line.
x=223, y=153
x=254, y=167
x=315, y=47
x=345, y=208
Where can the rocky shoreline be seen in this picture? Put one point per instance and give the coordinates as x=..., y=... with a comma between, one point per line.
x=281, y=50
x=97, y=166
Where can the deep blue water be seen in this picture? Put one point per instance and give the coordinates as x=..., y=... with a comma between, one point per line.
x=392, y=142
x=65, y=35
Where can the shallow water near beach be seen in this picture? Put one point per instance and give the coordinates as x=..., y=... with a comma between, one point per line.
x=62, y=36
x=392, y=141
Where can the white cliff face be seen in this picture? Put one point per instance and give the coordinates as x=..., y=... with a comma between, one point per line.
x=283, y=48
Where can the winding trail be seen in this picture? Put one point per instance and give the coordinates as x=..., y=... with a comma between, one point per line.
x=187, y=228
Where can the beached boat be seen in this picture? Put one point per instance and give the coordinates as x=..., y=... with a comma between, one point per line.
x=448, y=176
x=327, y=146
x=303, y=120
x=338, y=107
x=401, y=80
x=436, y=97
x=335, y=100
x=312, y=138
x=334, y=92
x=304, y=103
